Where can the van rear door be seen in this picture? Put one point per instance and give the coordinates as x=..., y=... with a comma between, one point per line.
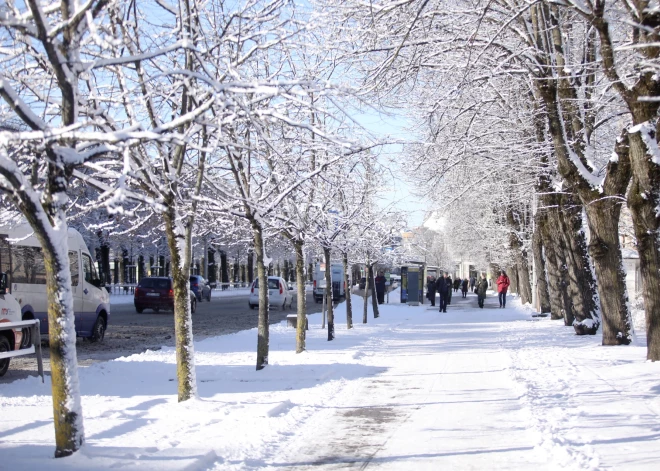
x=76, y=290
x=90, y=295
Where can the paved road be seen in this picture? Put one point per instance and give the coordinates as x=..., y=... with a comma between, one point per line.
x=130, y=333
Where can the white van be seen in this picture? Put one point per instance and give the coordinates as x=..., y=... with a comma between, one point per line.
x=336, y=277
x=23, y=262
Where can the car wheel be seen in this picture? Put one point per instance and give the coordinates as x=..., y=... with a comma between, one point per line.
x=139, y=310
x=193, y=305
x=98, y=331
x=284, y=304
x=208, y=298
x=156, y=309
x=4, y=347
x=252, y=306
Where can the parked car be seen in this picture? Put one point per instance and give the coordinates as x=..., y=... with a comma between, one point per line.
x=280, y=294
x=200, y=287
x=156, y=293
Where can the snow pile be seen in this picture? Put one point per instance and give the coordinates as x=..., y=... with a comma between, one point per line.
x=414, y=389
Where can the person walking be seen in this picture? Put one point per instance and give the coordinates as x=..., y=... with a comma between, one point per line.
x=473, y=282
x=464, y=287
x=457, y=284
x=503, y=283
x=443, y=286
x=430, y=290
x=380, y=281
x=451, y=285
x=482, y=287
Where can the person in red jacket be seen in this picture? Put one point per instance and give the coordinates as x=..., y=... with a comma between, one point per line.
x=503, y=283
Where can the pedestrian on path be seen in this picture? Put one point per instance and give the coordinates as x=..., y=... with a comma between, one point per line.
x=503, y=283
x=464, y=287
x=380, y=287
x=430, y=289
x=457, y=284
x=473, y=282
x=482, y=287
x=443, y=285
x=449, y=290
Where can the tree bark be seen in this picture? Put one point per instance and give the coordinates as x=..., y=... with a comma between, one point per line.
x=67, y=408
x=301, y=324
x=348, y=290
x=539, y=263
x=556, y=268
x=262, y=323
x=250, y=265
x=180, y=266
x=366, y=293
x=522, y=285
x=372, y=286
x=328, y=294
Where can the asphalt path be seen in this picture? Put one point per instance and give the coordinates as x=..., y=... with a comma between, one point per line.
x=129, y=332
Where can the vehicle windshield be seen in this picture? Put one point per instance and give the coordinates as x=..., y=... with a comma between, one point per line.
x=155, y=283
x=272, y=284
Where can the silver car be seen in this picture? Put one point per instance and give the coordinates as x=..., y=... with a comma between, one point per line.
x=280, y=294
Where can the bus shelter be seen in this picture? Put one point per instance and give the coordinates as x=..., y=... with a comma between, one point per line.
x=413, y=282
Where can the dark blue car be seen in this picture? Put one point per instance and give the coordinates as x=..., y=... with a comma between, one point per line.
x=200, y=287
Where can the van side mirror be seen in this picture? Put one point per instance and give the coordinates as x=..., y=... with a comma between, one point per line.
x=3, y=283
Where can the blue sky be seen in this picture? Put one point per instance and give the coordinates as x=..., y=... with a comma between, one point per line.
x=398, y=190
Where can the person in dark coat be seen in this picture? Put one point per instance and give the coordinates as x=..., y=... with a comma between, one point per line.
x=473, y=282
x=464, y=287
x=380, y=281
x=443, y=285
x=430, y=290
x=482, y=287
x=457, y=284
x=451, y=284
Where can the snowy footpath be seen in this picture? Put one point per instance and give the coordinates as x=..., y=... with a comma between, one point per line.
x=415, y=389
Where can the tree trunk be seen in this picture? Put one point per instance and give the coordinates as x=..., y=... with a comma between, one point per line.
x=301, y=324
x=224, y=269
x=250, y=266
x=372, y=287
x=262, y=323
x=585, y=307
x=555, y=266
x=347, y=292
x=643, y=201
x=67, y=408
x=539, y=263
x=522, y=284
x=644, y=193
x=513, y=277
x=366, y=293
x=180, y=266
x=328, y=294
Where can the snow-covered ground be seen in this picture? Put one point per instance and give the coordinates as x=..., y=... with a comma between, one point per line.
x=414, y=389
